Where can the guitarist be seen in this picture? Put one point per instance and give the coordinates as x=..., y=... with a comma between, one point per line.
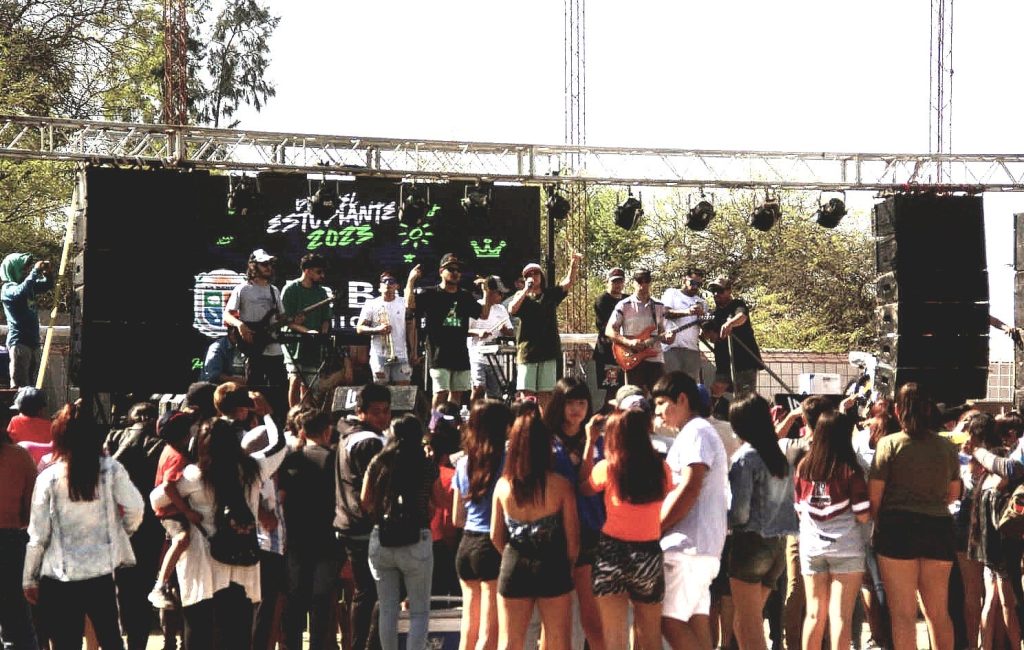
x=302, y=357
x=630, y=318
x=685, y=304
x=250, y=302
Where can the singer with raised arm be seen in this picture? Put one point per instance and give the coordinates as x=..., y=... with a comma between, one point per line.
x=384, y=320
x=741, y=358
x=537, y=341
x=447, y=309
x=637, y=330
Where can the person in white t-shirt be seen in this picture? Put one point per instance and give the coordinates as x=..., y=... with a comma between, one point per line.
x=683, y=307
x=693, y=516
x=483, y=332
x=384, y=319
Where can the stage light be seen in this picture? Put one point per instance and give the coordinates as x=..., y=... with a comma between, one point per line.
x=242, y=198
x=629, y=212
x=558, y=206
x=700, y=215
x=324, y=202
x=477, y=201
x=829, y=214
x=765, y=215
x=414, y=205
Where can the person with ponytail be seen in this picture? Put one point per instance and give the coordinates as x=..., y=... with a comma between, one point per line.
x=477, y=561
x=760, y=516
x=534, y=525
x=628, y=568
x=84, y=508
x=218, y=598
x=915, y=475
x=831, y=498
x=400, y=488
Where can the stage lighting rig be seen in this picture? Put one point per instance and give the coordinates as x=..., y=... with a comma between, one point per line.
x=243, y=197
x=830, y=213
x=415, y=204
x=477, y=201
x=700, y=215
x=629, y=212
x=766, y=215
x=558, y=206
x=324, y=202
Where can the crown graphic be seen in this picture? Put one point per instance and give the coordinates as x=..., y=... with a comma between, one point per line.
x=488, y=249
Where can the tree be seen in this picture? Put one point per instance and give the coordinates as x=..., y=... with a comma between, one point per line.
x=810, y=288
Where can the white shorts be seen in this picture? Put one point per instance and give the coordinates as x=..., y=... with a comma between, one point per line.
x=688, y=585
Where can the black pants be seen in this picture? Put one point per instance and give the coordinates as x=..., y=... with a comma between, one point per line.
x=16, y=626
x=364, y=598
x=267, y=375
x=222, y=622
x=134, y=583
x=273, y=575
x=65, y=605
x=312, y=580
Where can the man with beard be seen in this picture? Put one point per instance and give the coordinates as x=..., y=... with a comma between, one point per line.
x=683, y=307
x=302, y=357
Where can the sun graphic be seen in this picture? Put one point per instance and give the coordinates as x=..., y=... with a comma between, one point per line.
x=417, y=235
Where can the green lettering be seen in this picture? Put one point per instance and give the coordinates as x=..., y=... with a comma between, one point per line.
x=314, y=240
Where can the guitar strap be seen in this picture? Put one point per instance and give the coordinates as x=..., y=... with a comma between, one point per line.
x=654, y=317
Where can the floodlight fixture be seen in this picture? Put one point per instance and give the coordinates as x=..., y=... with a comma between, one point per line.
x=629, y=212
x=831, y=212
x=700, y=215
x=415, y=204
x=766, y=215
x=243, y=197
x=558, y=206
x=477, y=201
x=324, y=202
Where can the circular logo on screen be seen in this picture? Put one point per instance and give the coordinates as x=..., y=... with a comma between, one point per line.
x=209, y=297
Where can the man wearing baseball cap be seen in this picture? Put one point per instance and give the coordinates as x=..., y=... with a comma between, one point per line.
x=732, y=318
x=609, y=374
x=384, y=320
x=447, y=309
x=683, y=307
x=632, y=317
x=302, y=357
x=249, y=303
x=483, y=332
x=537, y=341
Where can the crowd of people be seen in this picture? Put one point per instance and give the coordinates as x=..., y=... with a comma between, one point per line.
x=665, y=517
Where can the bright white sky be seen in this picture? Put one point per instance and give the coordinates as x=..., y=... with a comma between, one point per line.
x=795, y=75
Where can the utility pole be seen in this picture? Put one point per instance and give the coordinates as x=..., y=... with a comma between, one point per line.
x=175, y=87
x=576, y=317
x=940, y=83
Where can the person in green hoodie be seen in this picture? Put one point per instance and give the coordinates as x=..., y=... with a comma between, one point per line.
x=23, y=281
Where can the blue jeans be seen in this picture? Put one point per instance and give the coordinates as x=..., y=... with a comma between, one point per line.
x=413, y=565
x=15, y=619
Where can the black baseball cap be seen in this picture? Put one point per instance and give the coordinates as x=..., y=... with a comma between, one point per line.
x=450, y=259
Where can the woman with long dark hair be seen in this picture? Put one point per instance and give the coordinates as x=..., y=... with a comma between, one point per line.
x=565, y=417
x=831, y=498
x=914, y=477
x=400, y=487
x=217, y=597
x=760, y=516
x=477, y=561
x=628, y=568
x=534, y=526
x=84, y=508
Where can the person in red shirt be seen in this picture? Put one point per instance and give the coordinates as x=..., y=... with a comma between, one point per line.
x=629, y=564
x=444, y=441
x=175, y=429
x=31, y=423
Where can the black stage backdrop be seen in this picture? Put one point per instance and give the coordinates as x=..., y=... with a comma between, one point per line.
x=161, y=253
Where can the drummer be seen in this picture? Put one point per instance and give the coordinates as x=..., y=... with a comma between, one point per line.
x=484, y=332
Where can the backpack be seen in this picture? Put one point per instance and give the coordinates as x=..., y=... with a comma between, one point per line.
x=1011, y=517
x=235, y=541
x=399, y=525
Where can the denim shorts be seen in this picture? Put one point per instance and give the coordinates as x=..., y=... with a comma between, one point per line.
x=757, y=559
x=831, y=565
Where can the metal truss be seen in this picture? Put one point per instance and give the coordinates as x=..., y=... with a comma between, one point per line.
x=116, y=143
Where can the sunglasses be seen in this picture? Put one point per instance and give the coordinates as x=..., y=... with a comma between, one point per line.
x=389, y=281
x=694, y=283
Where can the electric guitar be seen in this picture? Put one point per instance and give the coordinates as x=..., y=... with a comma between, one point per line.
x=265, y=330
x=631, y=357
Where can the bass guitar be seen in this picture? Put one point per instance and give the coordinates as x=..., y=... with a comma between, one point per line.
x=631, y=357
x=265, y=330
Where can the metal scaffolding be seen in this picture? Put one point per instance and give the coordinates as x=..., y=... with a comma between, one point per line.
x=116, y=143
x=576, y=309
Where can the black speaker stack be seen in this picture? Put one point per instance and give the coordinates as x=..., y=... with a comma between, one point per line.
x=932, y=294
